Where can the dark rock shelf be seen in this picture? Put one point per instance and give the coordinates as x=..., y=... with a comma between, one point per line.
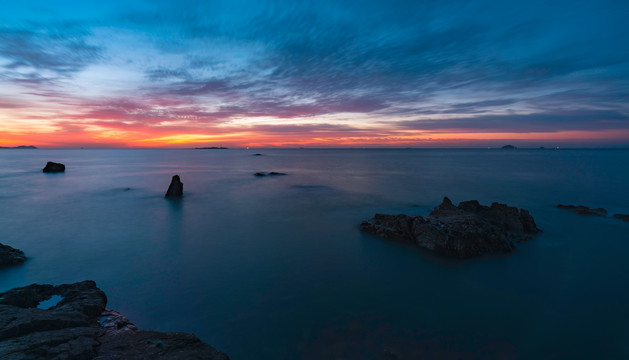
x=79, y=326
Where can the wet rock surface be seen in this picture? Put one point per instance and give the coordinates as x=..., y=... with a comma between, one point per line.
x=10, y=256
x=464, y=231
x=175, y=189
x=80, y=327
x=583, y=210
x=53, y=167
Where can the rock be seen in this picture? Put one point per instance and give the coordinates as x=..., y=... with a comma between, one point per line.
x=623, y=217
x=257, y=154
x=467, y=230
x=508, y=147
x=52, y=167
x=10, y=256
x=79, y=326
x=272, y=173
x=584, y=210
x=175, y=189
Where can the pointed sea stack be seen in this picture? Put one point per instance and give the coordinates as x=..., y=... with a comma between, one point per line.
x=53, y=167
x=175, y=189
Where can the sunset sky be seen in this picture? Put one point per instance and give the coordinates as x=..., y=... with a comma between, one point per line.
x=318, y=74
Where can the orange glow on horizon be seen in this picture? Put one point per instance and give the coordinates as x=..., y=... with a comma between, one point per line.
x=161, y=138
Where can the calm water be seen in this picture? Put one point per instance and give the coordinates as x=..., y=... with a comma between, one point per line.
x=276, y=268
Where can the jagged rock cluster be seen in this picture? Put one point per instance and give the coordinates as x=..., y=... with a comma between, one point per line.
x=467, y=230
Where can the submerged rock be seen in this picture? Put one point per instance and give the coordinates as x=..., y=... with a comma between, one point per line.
x=10, y=256
x=584, y=210
x=52, y=167
x=467, y=230
x=623, y=217
x=80, y=327
x=175, y=189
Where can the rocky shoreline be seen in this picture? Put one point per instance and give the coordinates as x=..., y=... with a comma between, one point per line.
x=77, y=326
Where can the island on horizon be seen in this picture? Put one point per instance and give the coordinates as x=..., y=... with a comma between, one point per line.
x=19, y=147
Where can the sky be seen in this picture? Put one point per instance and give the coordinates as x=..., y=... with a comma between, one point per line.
x=248, y=73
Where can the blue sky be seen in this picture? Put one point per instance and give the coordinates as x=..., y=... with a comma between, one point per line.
x=320, y=73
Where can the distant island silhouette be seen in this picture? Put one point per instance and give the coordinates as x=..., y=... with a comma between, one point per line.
x=19, y=147
x=212, y=147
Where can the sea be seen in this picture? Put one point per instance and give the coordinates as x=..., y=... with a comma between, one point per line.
x=276, y=267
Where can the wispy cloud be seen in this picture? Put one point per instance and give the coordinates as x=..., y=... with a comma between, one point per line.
x=592, y=120
x=61, y=49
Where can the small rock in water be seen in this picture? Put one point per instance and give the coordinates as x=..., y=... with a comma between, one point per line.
x=584, y=210
x=272, y=173
x=52, y=167
x=10, y=256
x=257, y=154
x=623, y=217
x=175, y=189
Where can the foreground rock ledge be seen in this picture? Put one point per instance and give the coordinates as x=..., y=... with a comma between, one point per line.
x=464, y=231
x=80, y=327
